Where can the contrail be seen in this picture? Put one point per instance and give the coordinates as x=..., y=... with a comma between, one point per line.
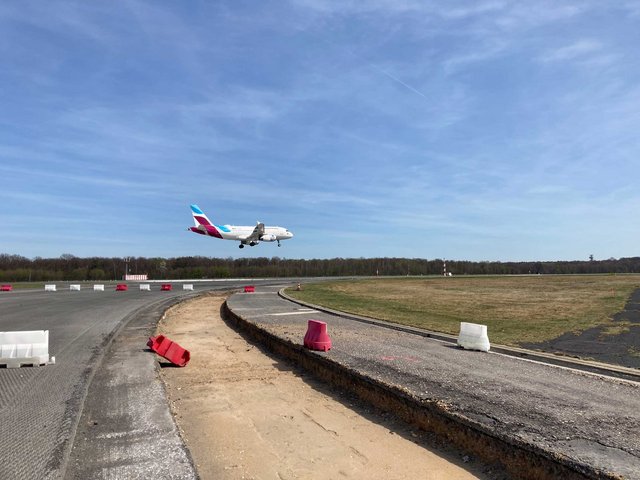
x=381, y=70
x=394, y=78
x=371, y=65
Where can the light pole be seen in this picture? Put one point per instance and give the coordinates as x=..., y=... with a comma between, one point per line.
x=126, y=267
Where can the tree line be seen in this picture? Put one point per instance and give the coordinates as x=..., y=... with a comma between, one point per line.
x=16, y=268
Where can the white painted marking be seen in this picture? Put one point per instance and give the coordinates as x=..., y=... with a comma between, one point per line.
x=562, y=367
x=291, y=313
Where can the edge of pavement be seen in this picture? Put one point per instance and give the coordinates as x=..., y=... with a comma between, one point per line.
x=111, y=434
x=599, y=368
x=520, y=458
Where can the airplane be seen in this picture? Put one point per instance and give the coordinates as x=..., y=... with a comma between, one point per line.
x=245, y=235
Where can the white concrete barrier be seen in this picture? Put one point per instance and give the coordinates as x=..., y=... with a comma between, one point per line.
x=145, y=286
x=49, y=288
x=187, y=286
x=473, y=337
x=25, y=348
x=98, y=287
x=75, y=287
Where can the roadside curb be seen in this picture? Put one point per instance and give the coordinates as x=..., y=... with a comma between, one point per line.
x=521, y=459
x=543, y=357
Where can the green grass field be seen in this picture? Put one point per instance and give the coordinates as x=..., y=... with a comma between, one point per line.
x=516, y=309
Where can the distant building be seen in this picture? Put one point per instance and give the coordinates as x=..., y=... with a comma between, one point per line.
x=136, y=277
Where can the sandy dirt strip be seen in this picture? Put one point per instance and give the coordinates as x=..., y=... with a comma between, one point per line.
x=246, y=415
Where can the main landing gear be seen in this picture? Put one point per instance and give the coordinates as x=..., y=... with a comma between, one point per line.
x=241, y=246
x=279, y=243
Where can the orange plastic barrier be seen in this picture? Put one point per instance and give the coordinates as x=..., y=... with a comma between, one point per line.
x=122, y=287
x=249, y=289
x=317, y=337
x=169, y=350
x=165, y=286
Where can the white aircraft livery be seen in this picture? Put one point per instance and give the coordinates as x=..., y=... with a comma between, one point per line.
x=245, y=235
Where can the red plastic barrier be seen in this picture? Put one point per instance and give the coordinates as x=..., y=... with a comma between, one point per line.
x=121, y=287
x=169, y=350
x=249, y=289
x=6, y=288
x=165, y=286
x=317, y=337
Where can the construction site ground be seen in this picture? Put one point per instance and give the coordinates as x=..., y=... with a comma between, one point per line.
x=245, y=414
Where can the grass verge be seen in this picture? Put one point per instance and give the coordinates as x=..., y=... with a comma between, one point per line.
x=516, y=309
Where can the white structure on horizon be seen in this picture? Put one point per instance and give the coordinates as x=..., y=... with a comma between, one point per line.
x=135, y=277
x=444, y=270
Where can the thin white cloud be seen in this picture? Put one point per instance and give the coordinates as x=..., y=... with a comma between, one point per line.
x=63, y=19
x=476, y=54
x=632, y=7
x=474, y=9
x=350, y=7
x=505, y=14
x=526, y=15
x=577, y=50
x=238, y=104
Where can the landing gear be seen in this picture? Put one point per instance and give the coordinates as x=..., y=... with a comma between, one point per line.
x=241, y=246
x=279, y=243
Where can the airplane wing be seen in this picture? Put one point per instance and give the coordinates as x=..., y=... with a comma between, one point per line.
x=257, y=233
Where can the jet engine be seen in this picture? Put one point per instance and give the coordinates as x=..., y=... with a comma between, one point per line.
x=268, y=238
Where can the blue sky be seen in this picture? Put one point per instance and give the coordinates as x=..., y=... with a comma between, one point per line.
x=479, y=130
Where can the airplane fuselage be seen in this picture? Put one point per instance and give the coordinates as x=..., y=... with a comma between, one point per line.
x=241, y=232
x=246, y=235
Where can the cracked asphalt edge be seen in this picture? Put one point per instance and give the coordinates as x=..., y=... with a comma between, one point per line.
x=124, y=427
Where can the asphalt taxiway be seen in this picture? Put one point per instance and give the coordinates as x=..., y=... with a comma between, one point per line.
x=40, y=406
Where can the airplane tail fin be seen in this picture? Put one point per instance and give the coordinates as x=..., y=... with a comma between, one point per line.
x=203, y=224
x=199, y=216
